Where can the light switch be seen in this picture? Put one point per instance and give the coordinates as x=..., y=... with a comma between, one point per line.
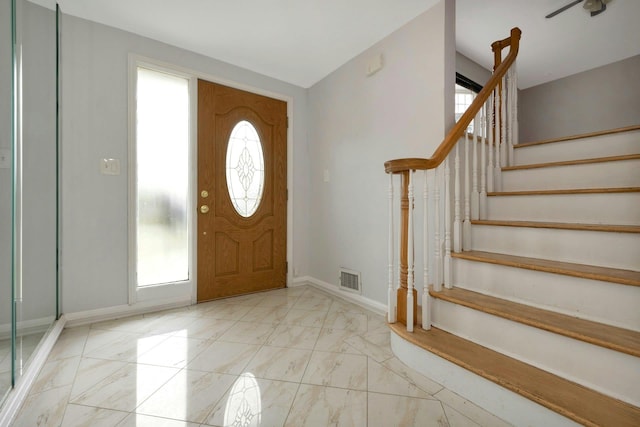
x=5, y=158
x=326, y=175
x=110, y=166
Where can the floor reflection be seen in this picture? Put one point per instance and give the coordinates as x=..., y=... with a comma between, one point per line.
x=5, y=367
x=244, y=405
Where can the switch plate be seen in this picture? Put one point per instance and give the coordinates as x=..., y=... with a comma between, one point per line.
x=5, y=158
x=374, y=65
x=326, y=175
x=110, y=166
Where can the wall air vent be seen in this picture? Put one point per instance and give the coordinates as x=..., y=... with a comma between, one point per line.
x=350, y=281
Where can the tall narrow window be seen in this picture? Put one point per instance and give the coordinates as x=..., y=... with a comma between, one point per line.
x=162, y=178
x=466, y=90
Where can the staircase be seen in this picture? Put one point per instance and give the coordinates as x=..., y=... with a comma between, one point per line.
x=546, y=303
x=529, y=299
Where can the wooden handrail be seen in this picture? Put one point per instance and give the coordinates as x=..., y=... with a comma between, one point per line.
x=399, y=165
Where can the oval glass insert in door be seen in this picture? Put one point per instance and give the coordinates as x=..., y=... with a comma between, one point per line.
x=245, y=168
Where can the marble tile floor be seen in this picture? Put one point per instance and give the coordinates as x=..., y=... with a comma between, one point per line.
x=25, y=347
x=290, y=357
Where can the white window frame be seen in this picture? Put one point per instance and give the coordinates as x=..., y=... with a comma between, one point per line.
x=172, y=291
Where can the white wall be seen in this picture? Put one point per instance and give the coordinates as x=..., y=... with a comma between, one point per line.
x=94, y=102
x=606, y=97
x=356, y=123
x=472, y=69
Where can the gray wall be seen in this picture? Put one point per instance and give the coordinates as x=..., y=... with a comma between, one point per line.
x=357, y=123
x=5, y=173
x=94, y=72
x=471, y=69
x=38, y=28
x=603, y=98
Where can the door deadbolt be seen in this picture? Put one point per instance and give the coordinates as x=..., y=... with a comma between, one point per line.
x=204, y=209
x=204, y=194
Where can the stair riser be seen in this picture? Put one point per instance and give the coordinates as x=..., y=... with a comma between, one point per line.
x=570, y=208
x=595, y=300
x=624, y=173
x=610, y=372
x=586, y=148
x=606, y=249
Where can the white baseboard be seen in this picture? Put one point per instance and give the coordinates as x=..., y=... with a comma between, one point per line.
x=109, y=313
x=27, y=327
x=16, y=397
x=501, y=402
x=365, y=302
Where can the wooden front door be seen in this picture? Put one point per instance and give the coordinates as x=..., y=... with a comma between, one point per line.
x=242, y=141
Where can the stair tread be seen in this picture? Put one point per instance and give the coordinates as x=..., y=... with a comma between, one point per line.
x=579, y=136
x=560, y=225
x=615, y=275
x=611, y=337
x=566, y=191
x=567, y=398
x=572, y=162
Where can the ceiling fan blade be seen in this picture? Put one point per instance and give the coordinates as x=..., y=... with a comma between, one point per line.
x=562, y=9
x=598, y=12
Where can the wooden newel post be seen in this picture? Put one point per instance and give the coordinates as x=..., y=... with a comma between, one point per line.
x=404, y=264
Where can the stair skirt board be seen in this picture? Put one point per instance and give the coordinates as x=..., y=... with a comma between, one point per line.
x=621, y=173
x=600, y=146
x=599, y=301
x=606, y=371
x=606, y=249
x=581, y=208
x=496, y=399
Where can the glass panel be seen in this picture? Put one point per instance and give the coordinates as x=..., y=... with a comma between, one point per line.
x=35, y=178
x=245, y=168
x=162, y=153
x=6, y=172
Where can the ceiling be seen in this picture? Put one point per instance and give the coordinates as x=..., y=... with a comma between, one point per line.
x=302, y=41
x=550, y=49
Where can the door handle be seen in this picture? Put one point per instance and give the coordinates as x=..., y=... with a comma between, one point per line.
x=204, y=209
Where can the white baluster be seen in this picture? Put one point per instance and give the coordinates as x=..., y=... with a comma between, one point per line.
x=490, y=111
x=466, y=225
x=437, y=244
x=497, y=169
x=426, y=299
x=457, y=220
x=503, y=123
x=475, y=194
x=410, y=261
x=483, y=165
x=391, y=293
x=510, y=99
x=513, y=101
x=448, y=272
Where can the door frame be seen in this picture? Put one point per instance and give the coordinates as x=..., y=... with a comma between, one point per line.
x=171, y=291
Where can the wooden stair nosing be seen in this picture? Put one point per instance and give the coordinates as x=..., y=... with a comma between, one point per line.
x=611, y=337
x=579, y=136
x=613, y=275
x=566, y=191
x=560, y=225
x=572, y=400
x=572, y=162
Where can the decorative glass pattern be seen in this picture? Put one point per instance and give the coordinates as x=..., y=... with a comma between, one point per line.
x=245, y=168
